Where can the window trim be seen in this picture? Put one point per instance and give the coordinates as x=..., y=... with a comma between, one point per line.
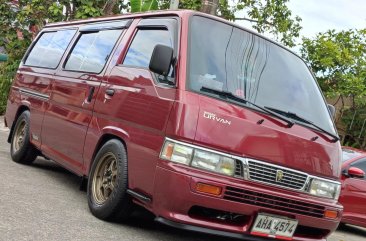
x=123, y=31
x=27, y=53
x=109, y=25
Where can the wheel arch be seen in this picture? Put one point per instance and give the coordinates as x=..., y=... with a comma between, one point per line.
x=20, y=110
x=102, y=140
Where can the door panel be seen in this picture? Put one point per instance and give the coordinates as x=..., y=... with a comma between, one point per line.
x=73, y=90
x=354, y=199
x=67, y=118
x=34, y=86
x=141, y=109
x=353, y=196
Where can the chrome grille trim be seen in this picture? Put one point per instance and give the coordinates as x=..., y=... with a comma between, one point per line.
x=266, y=173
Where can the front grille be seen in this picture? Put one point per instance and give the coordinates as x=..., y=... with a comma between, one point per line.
x=262, y=172
x=273, y=202
x=238, y=168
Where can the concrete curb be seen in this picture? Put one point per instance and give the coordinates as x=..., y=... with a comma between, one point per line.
x=2, y=124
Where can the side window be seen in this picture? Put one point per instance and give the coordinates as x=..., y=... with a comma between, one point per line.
x=92, y=51
x=49, y=49
x=143, y=44
x=361, y=164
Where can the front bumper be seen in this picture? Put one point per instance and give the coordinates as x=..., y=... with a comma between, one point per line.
x=174, y=199
x=207, y=230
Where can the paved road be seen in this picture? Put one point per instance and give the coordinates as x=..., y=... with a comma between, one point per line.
x=43, y=202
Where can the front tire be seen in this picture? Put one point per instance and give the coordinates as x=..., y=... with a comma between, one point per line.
x=21, y=149
x=108, y=183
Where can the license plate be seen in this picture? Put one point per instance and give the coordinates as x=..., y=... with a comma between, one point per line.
x=272, y=226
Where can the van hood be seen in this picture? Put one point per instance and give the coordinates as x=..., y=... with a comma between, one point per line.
x=247, y=133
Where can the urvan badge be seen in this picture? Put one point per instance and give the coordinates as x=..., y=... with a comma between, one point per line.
x=214, y=117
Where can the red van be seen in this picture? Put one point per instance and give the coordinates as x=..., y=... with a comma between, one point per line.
x=208, y=125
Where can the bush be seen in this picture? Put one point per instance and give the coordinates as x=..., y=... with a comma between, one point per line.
x=6, y=78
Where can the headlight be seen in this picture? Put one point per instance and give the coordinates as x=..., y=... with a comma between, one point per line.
x=197, y=158
x=176, y=153
x=324, y=188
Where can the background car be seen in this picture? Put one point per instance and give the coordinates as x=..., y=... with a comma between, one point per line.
x=353, y=193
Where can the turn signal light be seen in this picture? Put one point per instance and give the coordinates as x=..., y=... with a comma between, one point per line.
x=331, y=214
x=209, y=189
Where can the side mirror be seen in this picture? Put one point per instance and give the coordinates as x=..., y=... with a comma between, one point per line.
x=161, y=59
x=356, y=172
x=332, y=110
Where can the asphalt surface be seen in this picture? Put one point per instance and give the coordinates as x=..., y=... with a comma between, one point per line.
x=43, y=202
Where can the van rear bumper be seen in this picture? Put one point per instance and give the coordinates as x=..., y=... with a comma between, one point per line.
x=177, y=204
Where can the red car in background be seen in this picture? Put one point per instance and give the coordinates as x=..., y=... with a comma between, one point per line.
x=353, y=194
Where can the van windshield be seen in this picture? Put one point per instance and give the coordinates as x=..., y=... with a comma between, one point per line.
x=226, y=58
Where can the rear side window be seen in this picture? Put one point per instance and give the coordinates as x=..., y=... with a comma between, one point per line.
x=49, y=49
x=92, y=51
x=143, y=44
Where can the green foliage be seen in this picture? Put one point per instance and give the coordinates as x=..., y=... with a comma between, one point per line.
x=143, y=5
x=355, y=122
x=266, y=16
x=338, y=59
x=272, y=16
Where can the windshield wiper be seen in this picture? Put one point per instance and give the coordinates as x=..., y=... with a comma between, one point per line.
x=302, y=119
x=231, y=96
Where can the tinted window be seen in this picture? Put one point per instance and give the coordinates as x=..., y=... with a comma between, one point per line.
x=360, y=164
x=92, y=51
x=348, y=154
x=50, y=47
x=143, y=44
x=227, y=58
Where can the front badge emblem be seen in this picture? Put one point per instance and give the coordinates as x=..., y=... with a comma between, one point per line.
x=279, y=176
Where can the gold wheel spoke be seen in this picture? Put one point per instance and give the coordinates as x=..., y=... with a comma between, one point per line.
x=104, y=179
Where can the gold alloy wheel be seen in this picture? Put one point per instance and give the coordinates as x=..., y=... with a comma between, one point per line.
x=19, y=136
x=104, y=178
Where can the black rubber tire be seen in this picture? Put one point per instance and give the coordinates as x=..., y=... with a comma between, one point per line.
x=119, y=204
x=27, y=153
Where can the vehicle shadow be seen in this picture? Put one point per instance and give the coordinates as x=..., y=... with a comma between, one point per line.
x=351, y=229
x=140, y=219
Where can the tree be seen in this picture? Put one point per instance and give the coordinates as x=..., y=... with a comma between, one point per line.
x=271, y=16
x=338, y=60
x=266, y=16
x=143, y=5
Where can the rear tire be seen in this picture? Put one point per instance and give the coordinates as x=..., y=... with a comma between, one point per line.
x=108, y=183
x=21, y=149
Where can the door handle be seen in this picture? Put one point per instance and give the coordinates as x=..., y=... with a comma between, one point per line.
x=91, y=93
x=109, y=92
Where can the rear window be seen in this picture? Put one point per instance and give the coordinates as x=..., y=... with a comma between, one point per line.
x=92, y=51
x=49, y=49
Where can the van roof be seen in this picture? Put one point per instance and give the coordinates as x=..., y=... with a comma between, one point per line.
x=121, y=16
x=157, y=13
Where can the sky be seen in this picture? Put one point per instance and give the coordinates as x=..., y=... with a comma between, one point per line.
x=322, y=15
